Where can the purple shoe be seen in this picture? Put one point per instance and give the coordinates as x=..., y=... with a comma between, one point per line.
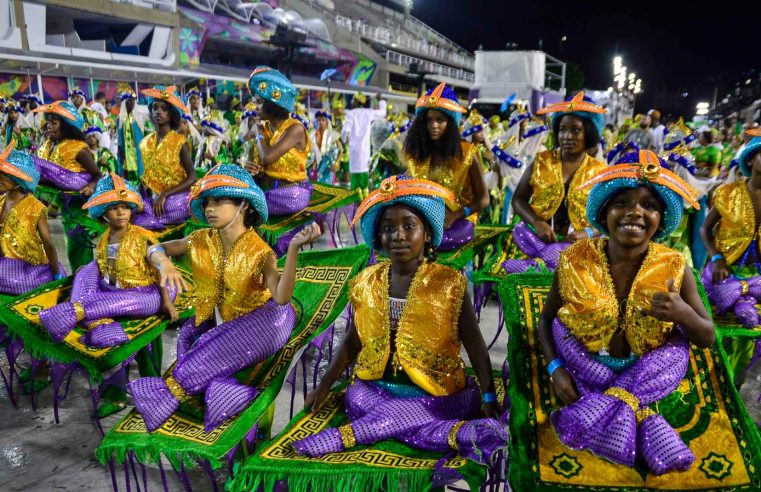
x=322, y=443
x=105, y=335
x=59, y=320
x=153, y=399
x=226, y=398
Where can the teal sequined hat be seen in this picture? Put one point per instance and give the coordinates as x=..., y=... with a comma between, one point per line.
x=112, y=189
x=65, y=110
x=750, y=150
x=229, y=181
x=422, y=195
x=19, y=166
x=635, y=169
x=580, y=106
x=270, y=84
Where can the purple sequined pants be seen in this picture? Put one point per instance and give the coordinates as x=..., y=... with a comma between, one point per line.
x=208, y=357
x=18, y=277
x=101, y=302
x=739, y=296
x=422, y=422
x=458, y=234
x=61, y=178
x=528, y=242
x=176, y=211
x=607, y=425
x=287, y=200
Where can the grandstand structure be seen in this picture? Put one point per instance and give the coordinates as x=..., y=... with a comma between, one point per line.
x=48, y=46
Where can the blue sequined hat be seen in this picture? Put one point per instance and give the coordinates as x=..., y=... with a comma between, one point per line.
x=747, y=154
x=635, y=169
x=20, y=167
x=442, y=98
x=65, y=110
x=270, y=84
x=580, y=106
x=422, y=195
x=112, y=189
x=229, y=181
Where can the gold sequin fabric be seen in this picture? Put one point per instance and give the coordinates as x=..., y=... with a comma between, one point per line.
x=131, y=268
x=291, y=166
x=549, y=189
x=590, y=308
x=453, y=174
x=64, y=154
x=79, y=311
x=452, y=436
x=427, y=338
x=234, y=283
x=162, y=169
x=631, y=401
x=19, y=236
x=175, y=388
x=347, y=436
x=736, y=228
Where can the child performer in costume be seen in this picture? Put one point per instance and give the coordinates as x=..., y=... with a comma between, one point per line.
x=548, y=200
x=213, y=149
x=28, y=258
x=18, y=127
x=243, y=311
x=281, y=145
x=120, y=282
x=732, y=278
x=619, y=319
x=328, y=148
x=411, y=318
x=130, y=130
x=65, y=162
x=103, y=157
x=168, y=171
x=433, y=150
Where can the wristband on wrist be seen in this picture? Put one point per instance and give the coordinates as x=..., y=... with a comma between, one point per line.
x=590, y=232
x=553, y=366
x=490, y=397
x=259, y=137
x=717, y=257
x=58, y=276
x=466, y=210
x=152, y=250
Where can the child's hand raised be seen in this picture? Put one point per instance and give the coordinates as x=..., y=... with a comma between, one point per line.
x=307, y=235
x=668, y=306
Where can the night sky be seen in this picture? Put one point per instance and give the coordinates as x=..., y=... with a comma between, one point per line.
x=674, y=47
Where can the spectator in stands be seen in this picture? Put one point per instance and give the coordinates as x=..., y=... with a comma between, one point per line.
x=99, y=105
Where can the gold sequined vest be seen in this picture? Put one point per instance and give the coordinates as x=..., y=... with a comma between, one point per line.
x=292, y=166
x=162, y=169
x=19, y=236
x=131, y=268
x=549, y=189
x=590, y=308
x=235, y=284
x=64, y=154
x=453, y=174
x=736, y=229
x=427, y=336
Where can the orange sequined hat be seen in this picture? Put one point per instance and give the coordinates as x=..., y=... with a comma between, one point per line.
x=443, y=98
x=65, y=110
x=168, y=94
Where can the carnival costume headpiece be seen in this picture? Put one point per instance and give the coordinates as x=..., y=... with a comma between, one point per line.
x=127, y=94
x=443, y=98
x=424, y=196
x=678, y=134
x=506, y=149
x=635, y=169
x=249, y=111
x=580, y=106
x=65, y=110
x=76, y=91
x=112, y=189
x=14, y=106
x=213, y=126
x=34, y=98
x=270, y=84
x=19, y=166
x=750, y=150
x=168, y=94
x=194, y=91
x=227, y=180
x=474, y=124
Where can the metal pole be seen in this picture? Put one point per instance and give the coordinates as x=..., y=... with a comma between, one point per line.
x=39, y=87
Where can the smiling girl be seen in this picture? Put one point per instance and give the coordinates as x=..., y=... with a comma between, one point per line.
x=620, y=316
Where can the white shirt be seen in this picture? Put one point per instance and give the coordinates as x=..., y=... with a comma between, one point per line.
x=357, y=129
x=658, y=136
